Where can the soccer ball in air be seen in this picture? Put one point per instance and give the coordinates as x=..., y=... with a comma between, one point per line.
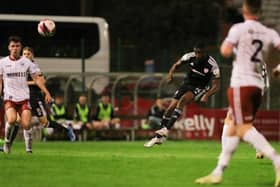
x=46, y=28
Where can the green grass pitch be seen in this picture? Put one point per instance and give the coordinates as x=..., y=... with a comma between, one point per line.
x=129, y=164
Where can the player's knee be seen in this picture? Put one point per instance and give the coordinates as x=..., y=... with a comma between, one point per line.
x=44, y=121
x=11, y=119
x=25, y=122
x=242, y=129
x=25, y=125
x=186, y=99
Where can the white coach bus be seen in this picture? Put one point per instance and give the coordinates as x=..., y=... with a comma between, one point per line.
x=63, y=51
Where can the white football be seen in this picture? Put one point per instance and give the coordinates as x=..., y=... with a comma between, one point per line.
x=46, y=28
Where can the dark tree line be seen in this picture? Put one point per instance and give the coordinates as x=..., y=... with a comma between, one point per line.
x=159, y=30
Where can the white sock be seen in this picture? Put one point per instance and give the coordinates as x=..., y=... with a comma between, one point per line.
x=8, y=132
x=28, y=139
x=259, y=142
x=226, y=154
x=224, y=135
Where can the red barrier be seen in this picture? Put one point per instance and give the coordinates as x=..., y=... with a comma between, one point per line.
x=268, y=123
x=201, y=123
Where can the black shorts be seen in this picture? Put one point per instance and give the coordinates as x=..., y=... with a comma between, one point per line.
x=38, y=107
x=186, y=87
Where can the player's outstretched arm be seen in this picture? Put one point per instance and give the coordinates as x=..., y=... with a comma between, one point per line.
x=226, y=49
x=41, y=83
x=32, y=82
x=172, y=70
x=276, y=72
x=215, y=87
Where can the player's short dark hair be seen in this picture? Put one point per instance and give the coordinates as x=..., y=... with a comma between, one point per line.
x=28, y=49
x=253, y=6
x=14, y=39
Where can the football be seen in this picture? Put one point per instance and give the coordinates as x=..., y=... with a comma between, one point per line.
x=46, y=28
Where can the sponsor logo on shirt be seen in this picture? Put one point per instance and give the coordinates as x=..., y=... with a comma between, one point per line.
x=16, y=74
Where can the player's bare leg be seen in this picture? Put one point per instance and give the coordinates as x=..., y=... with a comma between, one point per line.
x=44, y=121
x=228, y=121
x=250, y=135
x=228, y=149
x=162, y=133
x=175, y=110
x=25, y=121
x=11, y=117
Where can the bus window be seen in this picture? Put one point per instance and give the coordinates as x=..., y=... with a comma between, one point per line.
x=62, y=52
x=65, y=43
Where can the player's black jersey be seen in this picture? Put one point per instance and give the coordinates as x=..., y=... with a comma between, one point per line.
x=200, y=72
x=35, y=91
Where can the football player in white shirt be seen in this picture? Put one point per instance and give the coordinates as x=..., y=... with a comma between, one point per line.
x=249, y=40
x=229, y=119
x=13, y=71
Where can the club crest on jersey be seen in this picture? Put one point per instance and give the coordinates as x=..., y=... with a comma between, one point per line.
x=205, y=70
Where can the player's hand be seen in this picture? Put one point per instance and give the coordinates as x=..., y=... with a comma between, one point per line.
x=276, y=72
x=48, y=98
x=204, y=99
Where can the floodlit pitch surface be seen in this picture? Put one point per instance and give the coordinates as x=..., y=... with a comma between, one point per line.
x=128, y=164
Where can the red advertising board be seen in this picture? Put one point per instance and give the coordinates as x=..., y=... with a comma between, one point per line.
x=268, y=123
x=201, y=123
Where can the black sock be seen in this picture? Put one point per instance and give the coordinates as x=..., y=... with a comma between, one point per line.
x=13, y=134
x=164, y=121
x=55, y=125
x=175, y=115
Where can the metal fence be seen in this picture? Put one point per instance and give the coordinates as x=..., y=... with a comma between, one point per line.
x=130, y=87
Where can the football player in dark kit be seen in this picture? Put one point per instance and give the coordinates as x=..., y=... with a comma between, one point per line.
x=38, y=104
x=201, y=81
